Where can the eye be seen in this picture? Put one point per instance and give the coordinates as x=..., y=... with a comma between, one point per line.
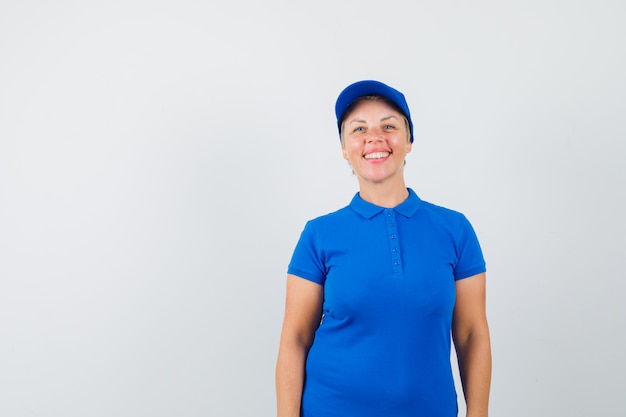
x=359, y=129
x=389, y=127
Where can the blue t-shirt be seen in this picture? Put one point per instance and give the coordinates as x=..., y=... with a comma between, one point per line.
x=383, y=347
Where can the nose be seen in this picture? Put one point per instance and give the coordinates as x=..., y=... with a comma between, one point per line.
x=376, y=135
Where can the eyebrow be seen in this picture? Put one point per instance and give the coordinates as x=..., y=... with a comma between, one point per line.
x=363, y=121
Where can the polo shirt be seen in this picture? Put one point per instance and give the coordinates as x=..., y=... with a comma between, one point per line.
x=383, y=346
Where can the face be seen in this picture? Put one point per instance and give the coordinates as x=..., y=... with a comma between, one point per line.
x=375, y=141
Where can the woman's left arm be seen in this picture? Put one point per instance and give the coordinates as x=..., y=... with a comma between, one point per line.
x=470, y=332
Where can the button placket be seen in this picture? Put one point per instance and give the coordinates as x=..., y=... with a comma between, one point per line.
x=394, y=243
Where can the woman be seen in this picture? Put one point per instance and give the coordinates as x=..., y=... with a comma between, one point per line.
x=376, y=290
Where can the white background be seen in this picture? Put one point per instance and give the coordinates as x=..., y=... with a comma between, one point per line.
x=158, y=160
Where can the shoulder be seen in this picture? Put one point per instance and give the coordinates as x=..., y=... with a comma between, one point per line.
x=331, y=219
x=325, y=229
x=445, y=220
x=442, y=214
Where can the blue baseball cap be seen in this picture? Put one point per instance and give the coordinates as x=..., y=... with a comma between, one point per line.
x=370, y=88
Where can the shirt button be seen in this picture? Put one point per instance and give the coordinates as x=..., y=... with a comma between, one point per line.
x=395, y=249
x=393, y=236
x=396, y=263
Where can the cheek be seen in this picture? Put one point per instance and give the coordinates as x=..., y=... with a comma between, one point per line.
x=351, y=150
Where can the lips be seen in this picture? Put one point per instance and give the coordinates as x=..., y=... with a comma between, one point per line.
x=376, y=155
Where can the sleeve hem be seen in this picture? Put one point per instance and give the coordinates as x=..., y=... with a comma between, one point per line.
x=304, y=275
x=470, y=272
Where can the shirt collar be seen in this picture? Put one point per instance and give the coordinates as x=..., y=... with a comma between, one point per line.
x=368, y=210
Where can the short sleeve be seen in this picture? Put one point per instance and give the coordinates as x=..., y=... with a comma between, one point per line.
x=307, y=260
x=470, y=260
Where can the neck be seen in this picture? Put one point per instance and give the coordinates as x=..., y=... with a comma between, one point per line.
x=384, y=195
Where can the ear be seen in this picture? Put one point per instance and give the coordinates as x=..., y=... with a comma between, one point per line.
x=344, y=151
x=409, y=146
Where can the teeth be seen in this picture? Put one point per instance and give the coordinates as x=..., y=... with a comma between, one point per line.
x=376, y=155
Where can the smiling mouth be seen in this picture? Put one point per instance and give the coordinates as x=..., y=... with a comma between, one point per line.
x=376, y=155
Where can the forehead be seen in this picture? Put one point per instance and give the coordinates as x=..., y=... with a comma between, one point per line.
x=376, y=104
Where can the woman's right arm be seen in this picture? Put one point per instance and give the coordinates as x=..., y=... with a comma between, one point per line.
x=303, y=311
